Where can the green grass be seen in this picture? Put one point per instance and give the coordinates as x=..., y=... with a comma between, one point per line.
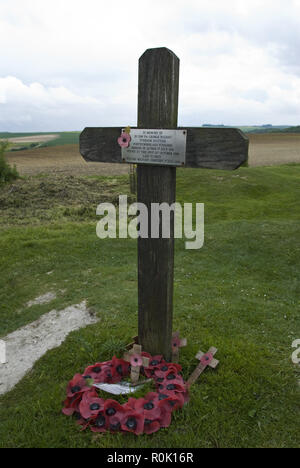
x=240, y=293
x=65, y=138
x=7, y=173
x=262, y=129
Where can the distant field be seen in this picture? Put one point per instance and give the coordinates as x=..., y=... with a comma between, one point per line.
x=56, y=138
x=274, y=148
x=265, y=150
x=33, y=138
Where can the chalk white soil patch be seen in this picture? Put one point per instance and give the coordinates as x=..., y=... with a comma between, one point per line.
x=28, y=344
x=45, y=299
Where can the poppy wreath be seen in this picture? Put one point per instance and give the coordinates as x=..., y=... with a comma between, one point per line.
x=144, y=415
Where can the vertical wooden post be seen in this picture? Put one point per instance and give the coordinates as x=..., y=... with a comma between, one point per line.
x=157, y=108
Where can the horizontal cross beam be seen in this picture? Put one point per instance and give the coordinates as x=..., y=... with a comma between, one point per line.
x=210, y=148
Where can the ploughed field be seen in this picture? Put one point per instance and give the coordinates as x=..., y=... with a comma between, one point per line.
x=60, y=159
x=274, y=148
x=265, y=150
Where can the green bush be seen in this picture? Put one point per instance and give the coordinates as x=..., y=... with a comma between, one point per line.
x=7, y=173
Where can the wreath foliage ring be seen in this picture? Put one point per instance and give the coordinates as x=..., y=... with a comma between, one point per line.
x=144, y=415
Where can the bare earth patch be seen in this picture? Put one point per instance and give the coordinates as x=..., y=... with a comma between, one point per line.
x=273, y=149
x=28, y=344
x=64, y=159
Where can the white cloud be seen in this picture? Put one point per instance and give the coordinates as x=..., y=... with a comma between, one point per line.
x=31, y=104
x=14, y=90
x=79, y=60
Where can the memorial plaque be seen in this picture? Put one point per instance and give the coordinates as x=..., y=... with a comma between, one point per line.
x=157, y=147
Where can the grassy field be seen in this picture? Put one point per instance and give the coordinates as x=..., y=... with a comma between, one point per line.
x=240, y=293
x=62, y=138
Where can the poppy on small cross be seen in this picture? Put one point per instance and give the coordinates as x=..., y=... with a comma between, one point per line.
x=205, y=361
x=177, y=343
x=134, y=356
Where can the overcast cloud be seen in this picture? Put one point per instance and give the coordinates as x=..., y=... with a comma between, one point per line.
x=67, y=64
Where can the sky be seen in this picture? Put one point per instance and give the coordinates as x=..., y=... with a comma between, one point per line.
x=69, y=64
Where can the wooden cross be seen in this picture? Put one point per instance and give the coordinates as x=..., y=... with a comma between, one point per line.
x=177, y=343
x=205, y=361
x=215, y=148
x=134, y=356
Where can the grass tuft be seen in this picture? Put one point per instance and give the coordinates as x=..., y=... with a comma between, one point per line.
x=7, y=173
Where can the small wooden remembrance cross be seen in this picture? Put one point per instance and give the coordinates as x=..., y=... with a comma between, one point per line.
x=134, y=356
x=177, y=343
x=205, y=361
x=215, y=148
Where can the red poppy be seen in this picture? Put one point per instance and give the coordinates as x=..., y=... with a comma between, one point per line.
x=133, y=421
x=151, y=426
x=103, y=372
x=177, y=385
x=99, y=423
x=136, y=360
x=115, y=423
x=90, y=405
x=124, y=140
x=154, y=364
x=148, y=406
x=156, y=411
x=121, y=366
x=110, y=374
x=113, y=409
x=172, y=367
x=206, y=359
x=176, y=342
x=77, y=385
x=165, y=418
x=94, y=372
x=177, y=401
x=110, y=418
x=71, y=405
x=76, y=388
x=81, y=421
x=164, y=400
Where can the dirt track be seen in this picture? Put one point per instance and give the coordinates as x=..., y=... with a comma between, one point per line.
x=265, y=150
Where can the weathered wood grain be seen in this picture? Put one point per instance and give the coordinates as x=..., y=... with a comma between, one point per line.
x=157, y=108
x=216, y=148
x=210, y=148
